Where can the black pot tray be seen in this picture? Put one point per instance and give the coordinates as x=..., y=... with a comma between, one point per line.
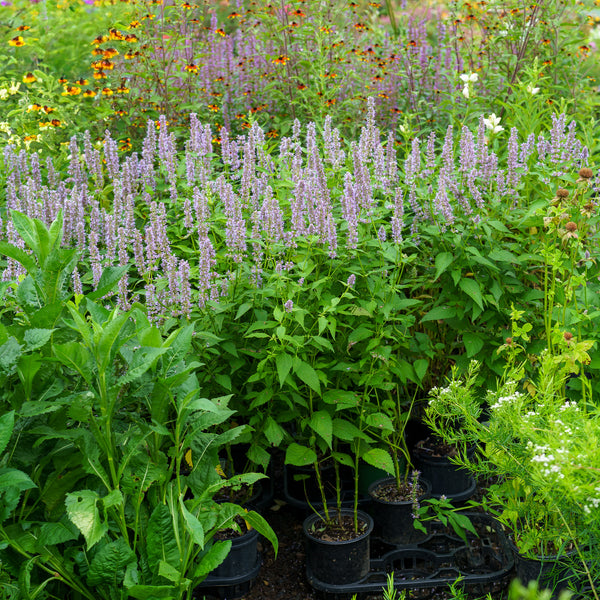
x=437, y=561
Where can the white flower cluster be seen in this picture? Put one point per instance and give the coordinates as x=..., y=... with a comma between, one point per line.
x=549, y=463
x=504, y=401
x=593, y=503
x=569, y=405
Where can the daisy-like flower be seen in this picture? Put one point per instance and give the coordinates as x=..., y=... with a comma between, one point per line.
x=29, y=78
x=17, y=41
x=493, y=123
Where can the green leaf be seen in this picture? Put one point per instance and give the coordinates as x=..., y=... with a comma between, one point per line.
x=151, y=592
x=76, y=357
x=258, y=522
x=169, y=572
x=299, y=456
x=192, y=525
x=52, y=534
x=320, y=422
x=420, y=366
x=347, y=432
x=10, y=353
x=472, y=289
x=439, y=313
x=108, y=280
x=215, y=555
x=380, y=459
x=19, y=255
x=380, y=421
x=284, y=363
x=82, y=509
x=307, y=374
x=7, y=422
x=109, y=563
x=242, y=310
x=442, y=261
x=15, y=480
x=161, y=543
x=473, y=343
x=342, y=399
x=273, y=431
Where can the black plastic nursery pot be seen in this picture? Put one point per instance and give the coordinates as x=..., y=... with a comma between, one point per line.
x=446, y=478
x=555, y=573
x=394, y=520
x=234, y=576
x=337, y=562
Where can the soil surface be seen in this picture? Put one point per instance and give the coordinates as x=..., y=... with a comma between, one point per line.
x=390, y=492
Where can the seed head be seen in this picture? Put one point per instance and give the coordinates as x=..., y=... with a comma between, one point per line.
x=570, y=226
x=568, y=336
x=586, y=173
x=562, y=193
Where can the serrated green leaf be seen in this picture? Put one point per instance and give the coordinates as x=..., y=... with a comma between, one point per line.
x=307, y=374
x=284, y=364
x=109, y=563
x=7, y=423
x=472, y=289
x=82, y=509
x=380, y=459
x=299, y=456
x=36, y=338
x=192, y=525
x=442, y=261
x=439, y=313
x=161, y=543
x=320, y=422
x=473, y=343
x=215, y=555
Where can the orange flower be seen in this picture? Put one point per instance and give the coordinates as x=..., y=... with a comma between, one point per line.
x=191, y=68
x=29, y=78
x=134, y=24
x=82, y=81
x=220, y=32
x=100, y=40
x=234, y=15
x=63, y=79
x=23, y=27
x=99, y=75
x=280, y=60
x=89, y=94
x=17, y=41
x=131, y=38
x=122, y=89
x=213, y=107
x=55, y=122
x=115, y=34
x=71, y=90
x=107, y=91
x=110, y=52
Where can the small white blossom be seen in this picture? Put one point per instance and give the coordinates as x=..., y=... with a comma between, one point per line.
x=14, y=87
x=5, y=127
x=470, y=77
x=493, y=123
x=3, y=93
x=465, y=91
x=532, y=90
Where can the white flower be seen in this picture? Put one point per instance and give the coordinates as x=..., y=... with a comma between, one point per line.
x=532, y=90
x=5, y=127
x=470, y=77
x=493, y=123
x=465, y=91
x=14, y=87
x=3, y=93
